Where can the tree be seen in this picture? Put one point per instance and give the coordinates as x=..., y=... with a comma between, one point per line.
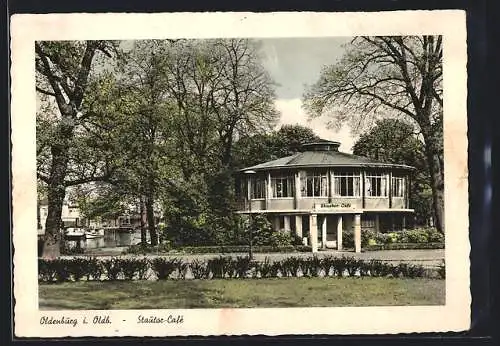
x=64, y=71
x=395, y=76
x=394, y=141
x=260, y=148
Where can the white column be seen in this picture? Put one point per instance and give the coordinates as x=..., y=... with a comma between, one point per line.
x=296, y=194
x=269, y=192
x=286, y=225
x=249, y=192
x=357, y=233
x=298, y=225
x=313, y=232
x=323, y=233
x=339, y=232
x=377, y=223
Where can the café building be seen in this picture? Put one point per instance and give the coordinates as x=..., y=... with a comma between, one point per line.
x=319, y=192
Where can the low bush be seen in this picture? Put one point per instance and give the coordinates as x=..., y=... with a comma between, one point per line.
x=95, y=269
x=441, y=270
x=75, y=269
x=199, y=269
x=242, y=265
x=164, y=267
x=403, y=246
x=46, y=270
x=132, y=267
x=113, y=268
x=220, y=267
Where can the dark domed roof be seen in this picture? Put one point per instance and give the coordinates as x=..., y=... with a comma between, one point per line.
x=322, y=154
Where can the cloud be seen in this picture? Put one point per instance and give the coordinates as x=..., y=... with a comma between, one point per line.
x=292, y=113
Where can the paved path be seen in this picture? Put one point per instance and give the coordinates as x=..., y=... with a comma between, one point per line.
x=431, y=257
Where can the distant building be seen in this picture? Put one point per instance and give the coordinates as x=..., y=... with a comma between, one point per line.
x=320, y=192
x=70, y=215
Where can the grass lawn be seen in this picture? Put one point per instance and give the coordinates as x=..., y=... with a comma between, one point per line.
x=283, y=292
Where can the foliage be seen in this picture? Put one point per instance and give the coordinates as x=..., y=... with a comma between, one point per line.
x=395, y=141
x=283, y=142
x=396, y=77
x=225, y=267
x=113, y=268
x=132, y=267
x=419, y=238
x=199, y=269
x=164, y=267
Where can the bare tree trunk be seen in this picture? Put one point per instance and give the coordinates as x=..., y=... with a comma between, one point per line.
x=143, y=220
x=56, y=193
x=437, y=180
x=151, y=220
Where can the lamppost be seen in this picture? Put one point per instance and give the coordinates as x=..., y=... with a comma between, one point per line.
x=249, y=173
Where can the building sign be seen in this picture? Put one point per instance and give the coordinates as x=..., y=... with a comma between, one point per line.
x=335, y=205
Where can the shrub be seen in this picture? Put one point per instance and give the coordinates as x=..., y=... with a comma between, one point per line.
x=199, y=269
x=348, y=239
x=367, y=236
x=403, y=246
x=364, y=269
x=264, y=268
x=434, y=236
x=312, y=266
x=442, y=270
x=131, y=267
x=95, y=269
x=339, y=266
x=410, y=270
x=379, y=268
x=281, y=238
x=46, y=270
x=327, y=263
x=352, y=266
x=220, y=267
x=78, y=268
x=417, y=236
x=164, y=267
x=291, y=266
x=276, y=269
x=113, y=268
x=242, y=266
x=182, y=269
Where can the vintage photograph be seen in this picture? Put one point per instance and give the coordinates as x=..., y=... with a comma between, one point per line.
x=191, y=165
x=238, y=173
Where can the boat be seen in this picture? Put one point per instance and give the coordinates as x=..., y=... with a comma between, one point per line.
x=94, y=233
x=74, y=232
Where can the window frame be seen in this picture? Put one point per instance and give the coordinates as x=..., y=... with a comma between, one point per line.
x=402, y=186
x=254, y=182
x=290, y=186
x=313, y=177
x=341, y=177
x=381, y=176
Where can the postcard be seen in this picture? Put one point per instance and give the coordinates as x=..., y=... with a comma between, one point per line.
x=204, y=174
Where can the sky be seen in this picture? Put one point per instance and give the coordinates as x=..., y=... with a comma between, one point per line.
x=294, y=63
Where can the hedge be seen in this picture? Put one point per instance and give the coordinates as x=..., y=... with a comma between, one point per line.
x=222, y=267
x=144, y=250
x=403, y=246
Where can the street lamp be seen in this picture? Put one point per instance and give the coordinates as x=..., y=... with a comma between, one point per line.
x=249, y=197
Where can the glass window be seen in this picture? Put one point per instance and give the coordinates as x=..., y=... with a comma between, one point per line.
x=282, y=186
x=376, y=185
x=314, y=185
x=258, y=188
x=398, y=186
x=346, y=184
